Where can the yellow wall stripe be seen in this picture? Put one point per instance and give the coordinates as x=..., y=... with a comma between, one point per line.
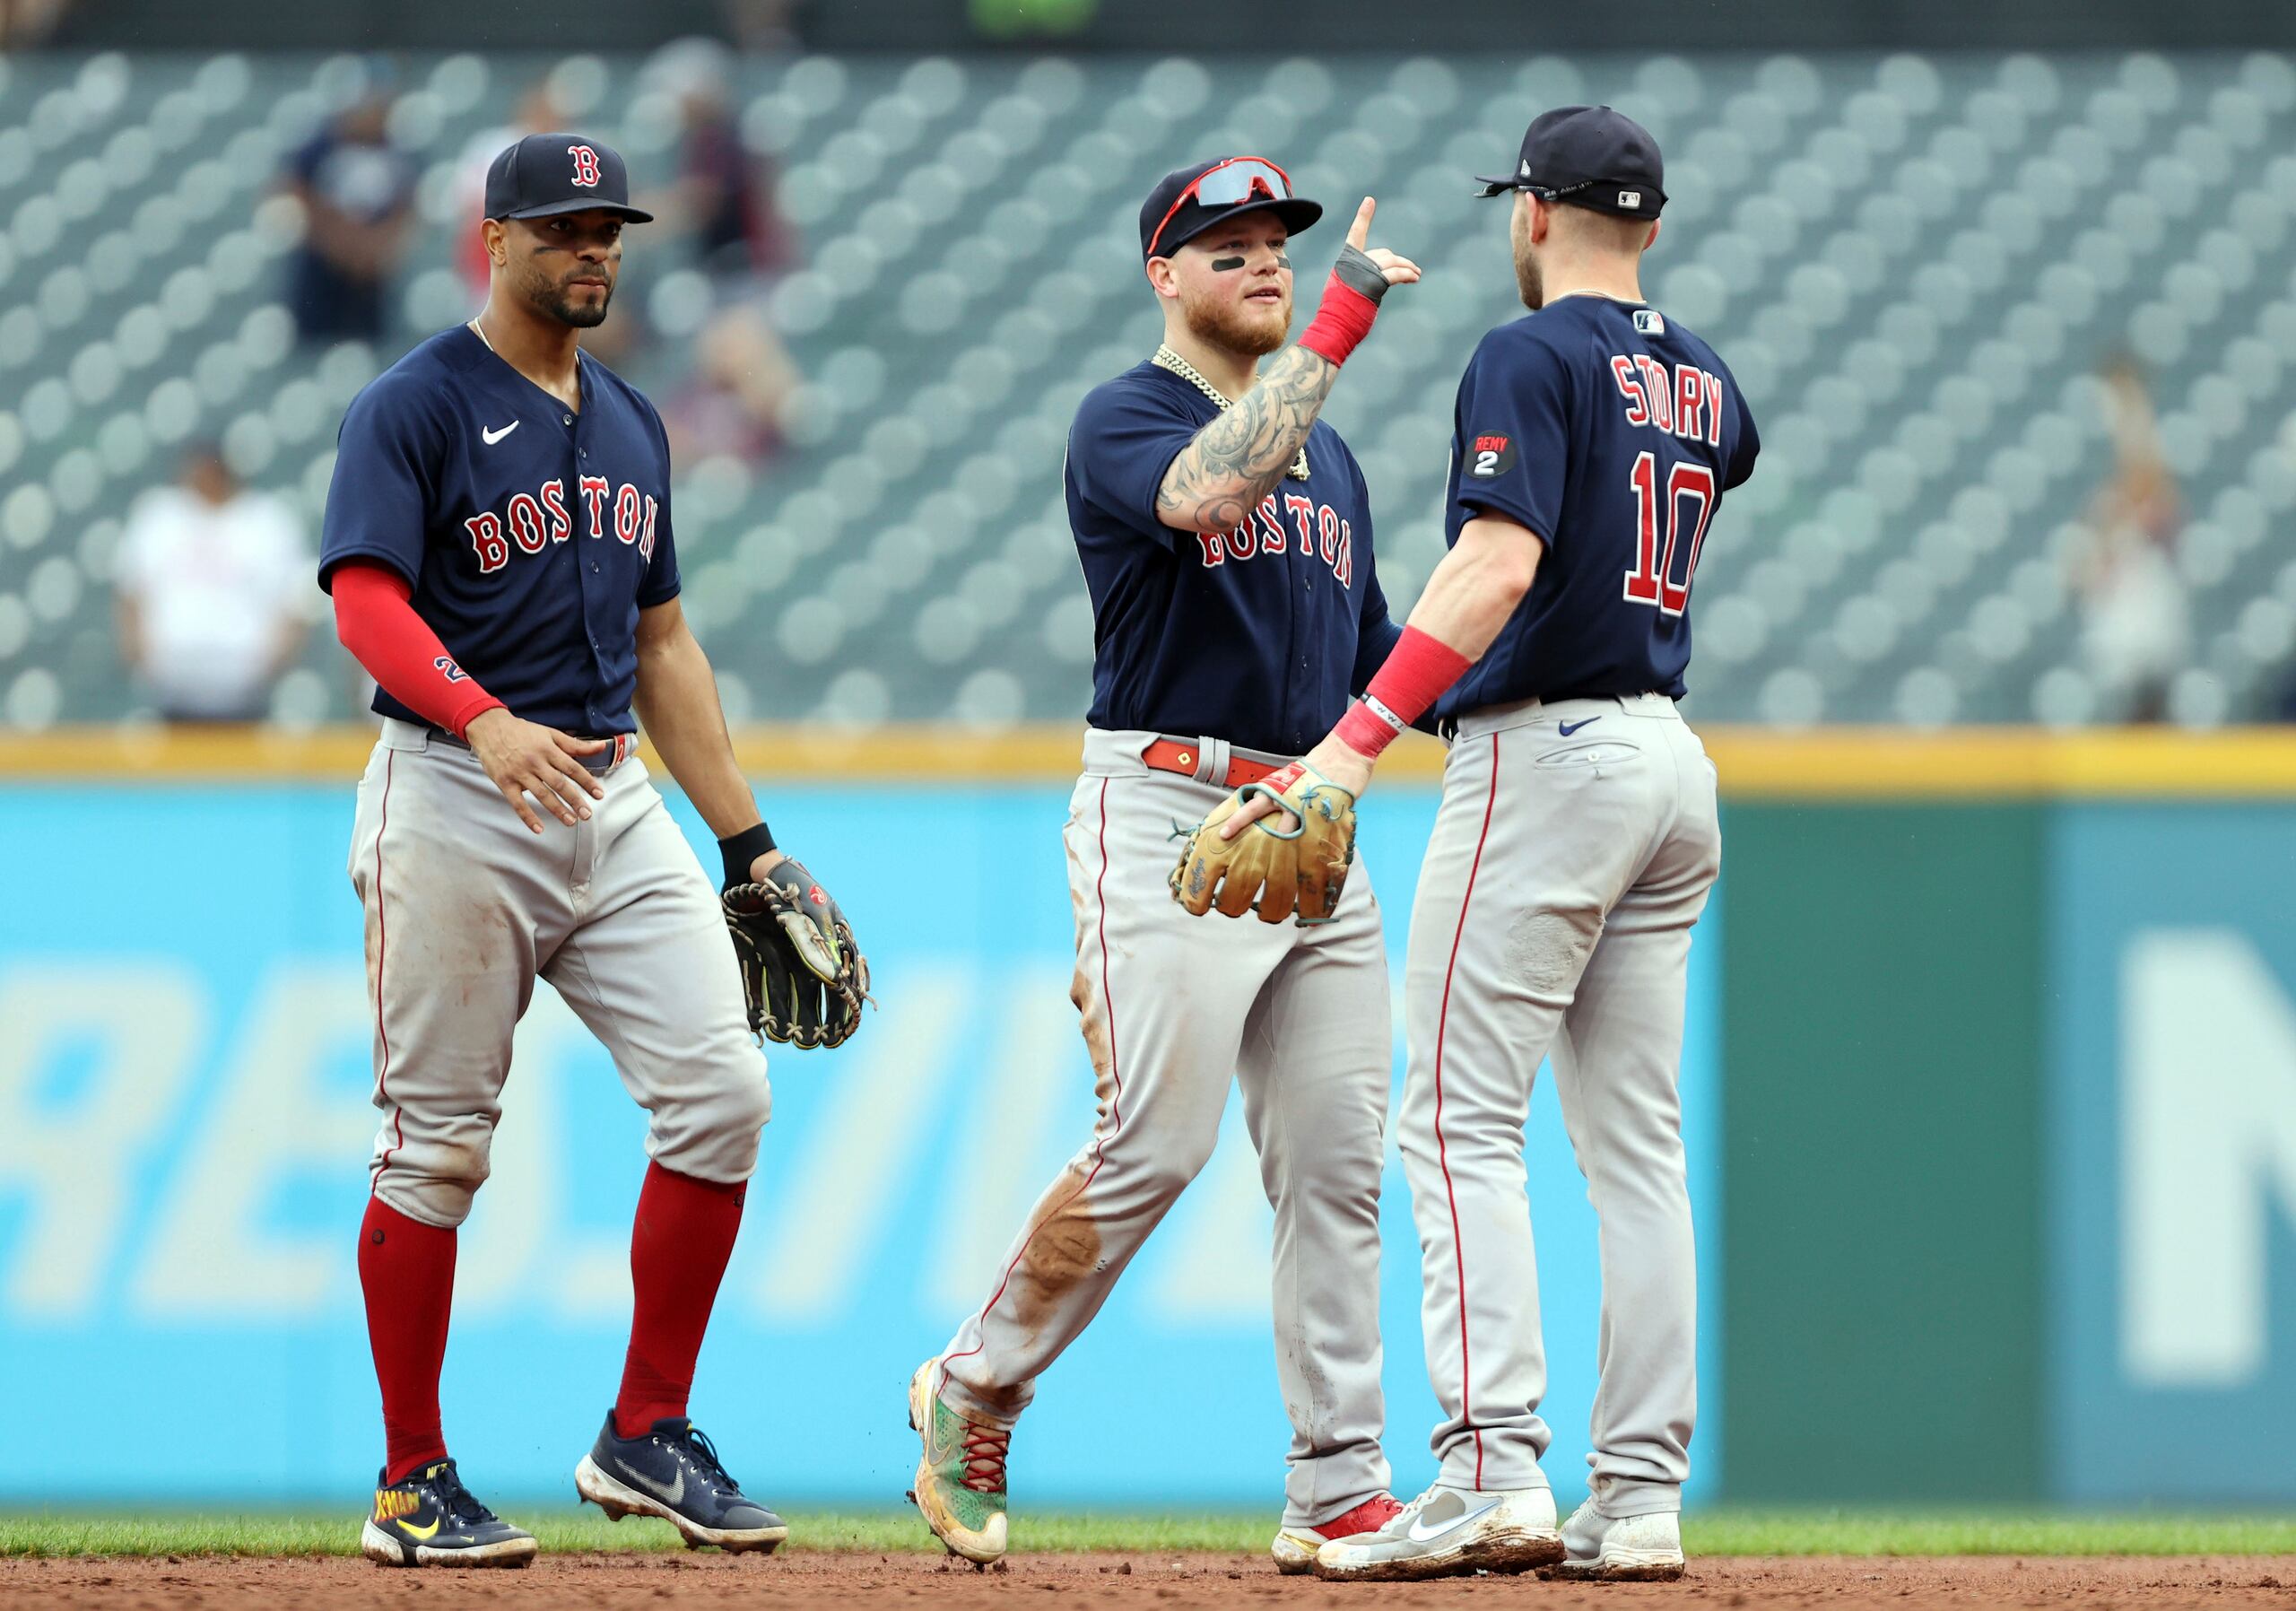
x=1755, y=763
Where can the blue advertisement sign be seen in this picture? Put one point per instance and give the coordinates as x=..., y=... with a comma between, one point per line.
x=184, y=1125
x=2173, y=1166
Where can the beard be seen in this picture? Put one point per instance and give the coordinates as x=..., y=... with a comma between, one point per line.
x=556, y=301
x=1528, y=283
x=1246, y=331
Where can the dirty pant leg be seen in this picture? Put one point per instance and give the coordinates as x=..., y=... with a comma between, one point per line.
x=1616, y=1070
x=1163, y=997
x=1525, y=862
x=459, y=902
x=649, y=967
x=1315, y=1074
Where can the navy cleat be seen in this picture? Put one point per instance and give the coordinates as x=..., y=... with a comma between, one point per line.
x=673, y=1472
x=431, y=1520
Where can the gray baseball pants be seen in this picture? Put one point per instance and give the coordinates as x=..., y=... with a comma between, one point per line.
x=1175, y=1008
x=465, y=906
x=1554, y=918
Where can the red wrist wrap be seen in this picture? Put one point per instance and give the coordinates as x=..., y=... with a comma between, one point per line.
x=1415, y=674
x=400, y=651
x=1342, y=319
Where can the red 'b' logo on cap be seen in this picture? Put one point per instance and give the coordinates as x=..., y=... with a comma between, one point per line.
x=586, y=165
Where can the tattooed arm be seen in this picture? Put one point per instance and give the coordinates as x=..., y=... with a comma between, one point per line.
x=1237, y=460
x=1220, y=477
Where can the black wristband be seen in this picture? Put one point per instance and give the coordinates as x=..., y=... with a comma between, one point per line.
x=742, y=848
x=1359, y=273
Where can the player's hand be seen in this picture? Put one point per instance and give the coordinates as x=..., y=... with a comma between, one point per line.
x=1398, y=270
x=526, y=758
x=1336, y=760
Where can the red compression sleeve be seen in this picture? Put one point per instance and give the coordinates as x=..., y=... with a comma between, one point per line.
x=1342, y=319
x=400, y=651
x=1413, y=676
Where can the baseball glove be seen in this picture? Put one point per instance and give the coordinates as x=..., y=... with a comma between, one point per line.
x=805, y=977
x=1280, y=864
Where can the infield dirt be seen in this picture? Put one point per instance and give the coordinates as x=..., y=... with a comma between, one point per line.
x=1167, y=1583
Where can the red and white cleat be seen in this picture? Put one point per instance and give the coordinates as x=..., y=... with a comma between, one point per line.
x=1295, y=1548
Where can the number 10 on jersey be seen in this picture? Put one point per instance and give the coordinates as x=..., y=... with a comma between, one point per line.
x=1652, y=579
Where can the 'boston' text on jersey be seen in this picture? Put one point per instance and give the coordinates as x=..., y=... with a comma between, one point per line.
x=1321, y=529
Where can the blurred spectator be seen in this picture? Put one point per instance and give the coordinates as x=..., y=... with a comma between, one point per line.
x=213, y=580
x=722, y=203
x=2135, y=629
x=538, y=112
x=762, y=27
x=358, y=195
x=742, y=381
x=24, y=23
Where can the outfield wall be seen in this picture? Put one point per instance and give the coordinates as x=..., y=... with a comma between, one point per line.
x=2009, y=1132
x=1991, y=1095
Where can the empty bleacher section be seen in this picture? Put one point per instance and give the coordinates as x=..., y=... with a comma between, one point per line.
x=1916, y=266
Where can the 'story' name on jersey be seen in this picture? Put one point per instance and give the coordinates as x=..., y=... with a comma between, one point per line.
x=1688, y=404
x=1610, y=434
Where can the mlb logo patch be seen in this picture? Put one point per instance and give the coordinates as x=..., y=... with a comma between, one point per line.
x=1650, y=321
x=1630, y=198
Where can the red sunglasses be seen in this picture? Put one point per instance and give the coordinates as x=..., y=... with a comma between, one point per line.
x=1236, y=180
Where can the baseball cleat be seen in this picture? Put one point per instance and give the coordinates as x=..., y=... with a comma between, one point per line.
x=431, y=1519
x=673, y=1472
x=1625, y=1549
x=1294, y=1549
x=960, y=1474
x=1448, y=1532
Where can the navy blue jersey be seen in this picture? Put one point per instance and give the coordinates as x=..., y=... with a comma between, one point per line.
x=1257, y=635
x=1610, y=432
x=531, y=535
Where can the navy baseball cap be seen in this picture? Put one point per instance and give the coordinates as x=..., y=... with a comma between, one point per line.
x=545, y=174
x=1589, y=156
x=1188, y=201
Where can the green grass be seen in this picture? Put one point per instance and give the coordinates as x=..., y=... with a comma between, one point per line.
x=1711, y=1532
x=1857, y=1532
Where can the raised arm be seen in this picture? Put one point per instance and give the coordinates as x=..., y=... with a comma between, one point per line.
x=1238, y=459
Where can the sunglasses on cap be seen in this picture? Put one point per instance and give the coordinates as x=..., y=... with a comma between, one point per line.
x=1229, y=183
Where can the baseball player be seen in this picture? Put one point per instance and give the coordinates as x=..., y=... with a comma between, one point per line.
x=1225, y=538
x=1573, y=851
x=498, y=543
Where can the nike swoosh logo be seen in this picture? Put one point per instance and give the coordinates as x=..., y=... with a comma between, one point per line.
x=1569, y=727
x=424, y=1533
x=492, y=437
x=669, y=1495
x=1420, y=1535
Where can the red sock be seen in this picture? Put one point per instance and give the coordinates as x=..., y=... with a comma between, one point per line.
x=407, y=1269
x=678, y=1250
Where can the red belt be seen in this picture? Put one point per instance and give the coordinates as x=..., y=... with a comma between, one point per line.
x=1178, y=755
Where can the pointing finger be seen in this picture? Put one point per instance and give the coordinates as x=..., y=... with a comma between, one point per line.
x=1359, y=230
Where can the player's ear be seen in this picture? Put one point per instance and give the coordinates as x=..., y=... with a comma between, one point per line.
x=492, y=235
x=1163, y=277
x=1651, y=240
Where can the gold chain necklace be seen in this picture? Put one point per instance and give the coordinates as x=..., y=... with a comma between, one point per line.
x=1166, y=359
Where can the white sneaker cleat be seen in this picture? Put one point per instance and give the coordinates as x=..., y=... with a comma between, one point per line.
x=1449, y=1532
x=1621, y=1550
